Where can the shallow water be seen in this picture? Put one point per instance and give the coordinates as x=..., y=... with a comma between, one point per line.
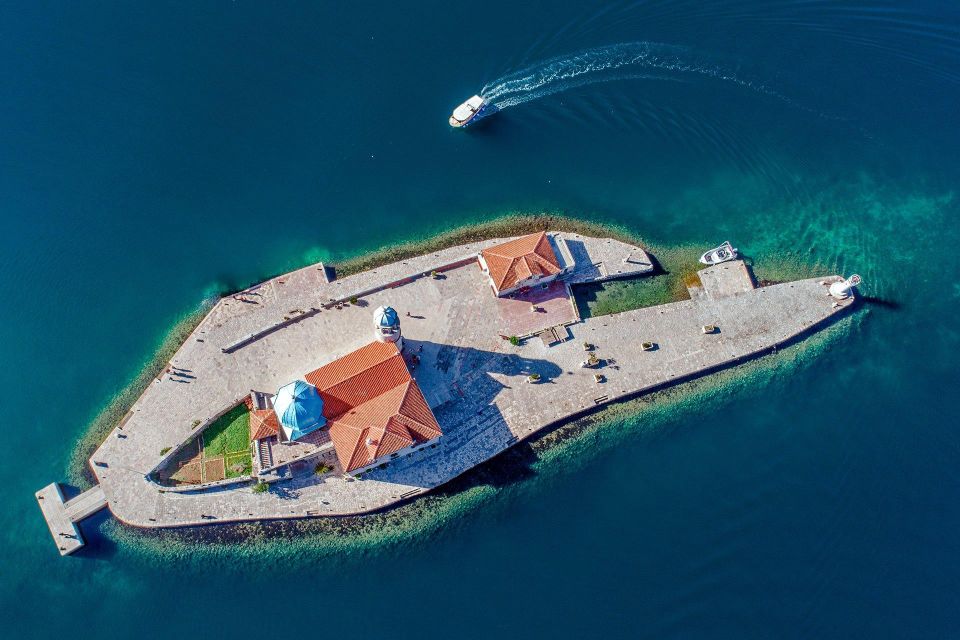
x=153, y=156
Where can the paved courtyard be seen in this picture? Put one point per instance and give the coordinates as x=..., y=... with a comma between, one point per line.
x=531, y=311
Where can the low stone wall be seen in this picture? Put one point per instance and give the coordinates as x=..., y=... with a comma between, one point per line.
x=449, y=266
x=245, y=340
x=187, y=488
x=333, y=302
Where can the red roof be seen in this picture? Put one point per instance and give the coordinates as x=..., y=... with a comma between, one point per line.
x=513, y=262
x=373, y=405
x=392, y=421
x=359, y=376
x=263, y=424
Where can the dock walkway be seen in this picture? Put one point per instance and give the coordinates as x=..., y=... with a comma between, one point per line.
x=62, y=515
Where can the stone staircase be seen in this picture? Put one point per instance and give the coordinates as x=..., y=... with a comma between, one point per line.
x=265, y=452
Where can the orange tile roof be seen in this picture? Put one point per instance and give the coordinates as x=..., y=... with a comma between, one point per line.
x=513, y=262
x=390, y=422
x=358, y=377
x=369, y=395
x=353, y=363
x=263, y=424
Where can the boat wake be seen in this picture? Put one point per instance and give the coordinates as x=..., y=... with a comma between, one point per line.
x=625, y=60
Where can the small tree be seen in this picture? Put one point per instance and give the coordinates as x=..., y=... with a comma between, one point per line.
x=322, y=468
x=261, y=487
x=354, y=300
x=515, y=341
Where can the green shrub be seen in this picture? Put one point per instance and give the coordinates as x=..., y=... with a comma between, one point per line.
x=261, y=487
x=514, y=340
x=322, y=468
x=165, y=451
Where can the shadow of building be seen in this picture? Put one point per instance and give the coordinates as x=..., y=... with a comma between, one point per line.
x=461, y=384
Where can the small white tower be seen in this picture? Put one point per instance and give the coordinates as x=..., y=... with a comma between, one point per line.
x=843, y=289
x=386, y=325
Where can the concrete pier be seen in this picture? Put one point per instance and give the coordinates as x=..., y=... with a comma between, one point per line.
x=476, y=382
x=62, y=515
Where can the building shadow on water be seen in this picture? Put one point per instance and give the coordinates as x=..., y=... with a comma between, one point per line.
x=510, y=467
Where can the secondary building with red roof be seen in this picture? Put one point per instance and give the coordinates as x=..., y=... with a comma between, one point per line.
x=522, y=262
x=263, y=424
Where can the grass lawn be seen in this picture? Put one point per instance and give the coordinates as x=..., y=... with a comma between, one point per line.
x=615, y=296
x=230, y=434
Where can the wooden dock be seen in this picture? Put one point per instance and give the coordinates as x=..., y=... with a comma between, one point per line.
x=62, y=515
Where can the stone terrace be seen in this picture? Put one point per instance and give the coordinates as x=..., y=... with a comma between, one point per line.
x=473, y=379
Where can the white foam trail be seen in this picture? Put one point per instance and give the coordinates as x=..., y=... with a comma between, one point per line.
x=593, y=65
x=550, y=89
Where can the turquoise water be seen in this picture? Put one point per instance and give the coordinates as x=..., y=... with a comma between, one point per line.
x=153, y=155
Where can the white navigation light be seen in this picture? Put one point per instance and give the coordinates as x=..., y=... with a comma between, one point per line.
x=843, y=289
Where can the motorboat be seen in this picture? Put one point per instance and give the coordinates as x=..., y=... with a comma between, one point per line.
x=723, y=253
x=467, y=112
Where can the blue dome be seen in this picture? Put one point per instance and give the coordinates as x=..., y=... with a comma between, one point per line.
x=299, y=407
x=386, y=317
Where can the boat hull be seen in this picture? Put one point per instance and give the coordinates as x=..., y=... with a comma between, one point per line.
x=457, y=124
x=475, y=111
x=723, y=253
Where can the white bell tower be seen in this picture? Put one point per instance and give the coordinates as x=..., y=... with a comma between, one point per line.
x=386, y=326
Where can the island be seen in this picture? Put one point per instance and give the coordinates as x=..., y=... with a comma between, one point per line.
x=309, y=395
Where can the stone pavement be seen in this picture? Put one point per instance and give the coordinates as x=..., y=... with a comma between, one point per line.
x=553, y=304
x=475, y=381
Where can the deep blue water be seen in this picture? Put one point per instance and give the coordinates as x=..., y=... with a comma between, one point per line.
x=152, y=154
